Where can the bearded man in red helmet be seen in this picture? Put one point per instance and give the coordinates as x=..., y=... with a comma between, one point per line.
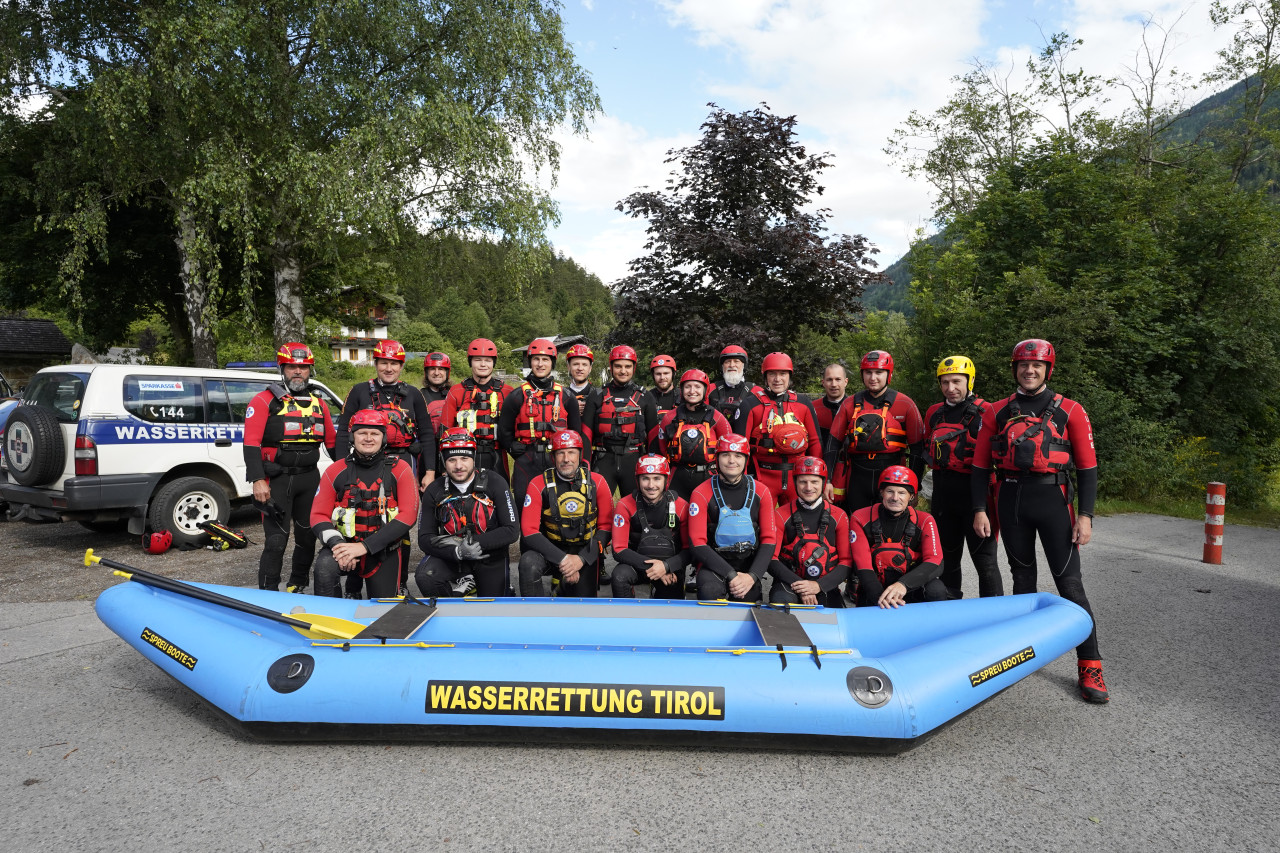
x=284, y=427
x=782, y=428
x=731, y=395
x=1032, y=440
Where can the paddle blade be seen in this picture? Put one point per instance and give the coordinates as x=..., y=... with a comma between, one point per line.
x=325, y=627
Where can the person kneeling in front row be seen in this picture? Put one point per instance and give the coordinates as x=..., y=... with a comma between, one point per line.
x=896, y=552
x=650, y=538
x=468, y=523
x=813, y=543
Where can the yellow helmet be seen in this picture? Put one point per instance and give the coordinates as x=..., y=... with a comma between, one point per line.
x=958, y=364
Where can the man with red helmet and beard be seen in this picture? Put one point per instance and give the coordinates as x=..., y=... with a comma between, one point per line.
x=566, y=519
x=364, y=507
x=468, y=522
x=896, y=554
x=876, y=428
x=781, y=427
x=664, y=393
x=650, y=540
x=1032, y=440
x=813, y=543
x=284, y=427
x=618, y=421
x=732, y=395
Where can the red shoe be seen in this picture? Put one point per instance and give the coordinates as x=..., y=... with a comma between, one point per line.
x=1092, y=687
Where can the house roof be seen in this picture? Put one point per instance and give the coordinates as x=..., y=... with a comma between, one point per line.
x=32, y=337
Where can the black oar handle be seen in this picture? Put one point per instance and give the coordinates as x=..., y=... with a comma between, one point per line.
x=171, y=585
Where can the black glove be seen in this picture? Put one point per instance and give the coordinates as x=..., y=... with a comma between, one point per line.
x=446, y=543
x=470, y=550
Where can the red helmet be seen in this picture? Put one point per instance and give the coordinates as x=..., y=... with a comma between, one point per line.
x=158, y=542
x=662, y=361
x=541, y=346
x=390, y=350
x=565, y=439
x=733, y=351
x=732, y=443
x=653, y=464
x=580, y=351
x=693, y=374
x=294, y=353
x=481, y=346
x=877, y=359
x=1034, y=349
x=457, y=441
x=368, y=419
x=436, y=359
x=776, y=361
x=811, y=465
x=899, y=475
x=622, y=351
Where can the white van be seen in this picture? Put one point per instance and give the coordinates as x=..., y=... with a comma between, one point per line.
x=114, y=444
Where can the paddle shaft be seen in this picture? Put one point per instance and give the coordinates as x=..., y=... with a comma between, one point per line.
x=171, y=585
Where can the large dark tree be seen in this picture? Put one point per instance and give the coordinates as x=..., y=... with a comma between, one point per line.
x=735, y=255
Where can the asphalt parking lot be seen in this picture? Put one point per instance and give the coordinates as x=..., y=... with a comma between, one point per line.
x=101, y=751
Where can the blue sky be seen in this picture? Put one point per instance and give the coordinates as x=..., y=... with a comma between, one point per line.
x=850, y=70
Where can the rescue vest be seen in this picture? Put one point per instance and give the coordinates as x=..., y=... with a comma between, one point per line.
x=402, y=431
x=540, y=416
x=665, y=402
x=736, y=535
x=1032, y=445
x=362, y=509
x=809, y=555
x=768, y=443
x=727, y=401
x=620, y=424
x=295, y=426
x=692, y=443
x=479, y=411
x=898, y=556
x=660, y=542
x=874, y=430
x=569, y=517
x=951, y=444
x=458, y=515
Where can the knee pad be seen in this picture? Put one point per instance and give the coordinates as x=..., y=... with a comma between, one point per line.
x=276, y=543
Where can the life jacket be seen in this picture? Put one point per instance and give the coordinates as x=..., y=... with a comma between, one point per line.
x=660, y=542
x=692, y=443
x=620, y=424
x=665, y=402
x=295, y=426
x=726, y=401
x=736, y=535
x=1032, y=445
x=898, y=556
x=874, y=430
x=951, y=444
x=767, y=438
x=569, y=517
x=402, y=431
x=362, y=509
x=458, y=515
x=540, y=416
x=479, y=411
x=809, y=555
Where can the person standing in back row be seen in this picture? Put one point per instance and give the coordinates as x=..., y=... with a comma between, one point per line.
x=618, y=422
x=1032, y=440
x=953, y=427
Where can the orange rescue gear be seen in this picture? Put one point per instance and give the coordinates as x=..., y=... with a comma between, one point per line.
x=1032, y=445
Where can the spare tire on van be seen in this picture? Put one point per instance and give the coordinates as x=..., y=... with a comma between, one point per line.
x=33, y=447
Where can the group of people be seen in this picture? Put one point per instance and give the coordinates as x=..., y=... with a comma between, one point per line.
x=718, y=484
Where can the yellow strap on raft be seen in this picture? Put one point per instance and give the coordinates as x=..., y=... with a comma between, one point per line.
x=380, y=645
x=722, y=602
x=773, y=651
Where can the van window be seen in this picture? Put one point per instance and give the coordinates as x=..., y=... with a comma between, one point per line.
x=229, y=398
x=165, y=399
x=61, y=393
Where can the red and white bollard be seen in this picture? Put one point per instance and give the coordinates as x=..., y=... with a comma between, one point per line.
x=1215, y=508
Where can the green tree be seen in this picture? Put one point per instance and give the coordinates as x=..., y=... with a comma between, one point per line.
x=284, y=126
x=732, y=254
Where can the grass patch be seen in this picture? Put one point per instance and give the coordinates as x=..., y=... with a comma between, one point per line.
x=1264, y=516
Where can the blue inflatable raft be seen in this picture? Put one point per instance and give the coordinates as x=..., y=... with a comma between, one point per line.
x=612, y=670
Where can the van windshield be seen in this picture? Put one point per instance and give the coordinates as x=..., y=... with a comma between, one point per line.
x=61, y=393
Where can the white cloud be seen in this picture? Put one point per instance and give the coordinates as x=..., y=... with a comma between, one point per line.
x=851, y=72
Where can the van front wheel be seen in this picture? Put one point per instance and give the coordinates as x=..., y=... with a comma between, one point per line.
x=180, y=506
